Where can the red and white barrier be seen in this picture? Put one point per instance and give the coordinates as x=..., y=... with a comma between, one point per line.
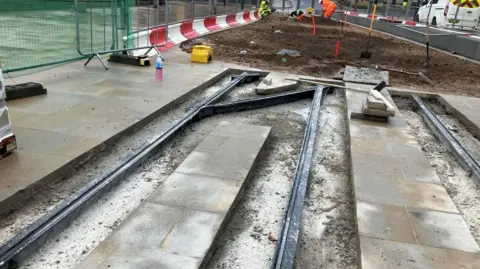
x=180, y=32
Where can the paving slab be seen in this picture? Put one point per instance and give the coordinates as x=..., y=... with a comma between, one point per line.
x=406, y=219
x=385, y=222
x=178, y=223
x=380, y=253
x=85, y=108
x=467, y=109
x=414, y=163
x=442, y=230
x=364, y=75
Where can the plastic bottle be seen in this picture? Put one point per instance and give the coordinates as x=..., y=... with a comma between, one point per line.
x=159, y=63
x=159, y=69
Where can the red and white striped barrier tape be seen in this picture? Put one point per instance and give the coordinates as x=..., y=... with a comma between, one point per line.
x=179, y=32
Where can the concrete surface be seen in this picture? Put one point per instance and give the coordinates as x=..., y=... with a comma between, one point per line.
x=179, y=221
x=406, y=219
x=85, y=108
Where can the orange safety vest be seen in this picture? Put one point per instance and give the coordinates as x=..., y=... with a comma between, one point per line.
x=328, y=8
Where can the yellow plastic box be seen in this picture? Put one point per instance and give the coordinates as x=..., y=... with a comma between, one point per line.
x=201, y=54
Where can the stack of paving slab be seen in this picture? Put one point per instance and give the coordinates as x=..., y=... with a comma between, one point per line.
x=5, y=124
x=377, y=105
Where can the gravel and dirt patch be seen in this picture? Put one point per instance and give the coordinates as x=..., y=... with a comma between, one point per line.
x=329, y=234
x=256, y=46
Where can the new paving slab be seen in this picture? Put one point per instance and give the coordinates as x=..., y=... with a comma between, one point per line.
x=467, y=109
x=406, y=219
x=176, y=225
x=84, y=108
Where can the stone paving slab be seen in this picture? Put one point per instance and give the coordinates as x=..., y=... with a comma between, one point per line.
x=406, y=219
x=176, y=225
x=86, y=107
x=380, y=254
x=467, y=109
x=442, y=230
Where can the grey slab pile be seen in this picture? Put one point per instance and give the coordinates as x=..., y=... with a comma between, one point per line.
x=377, y=105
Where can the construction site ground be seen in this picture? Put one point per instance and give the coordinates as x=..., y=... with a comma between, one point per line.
x=379, y=195
x=256, y=45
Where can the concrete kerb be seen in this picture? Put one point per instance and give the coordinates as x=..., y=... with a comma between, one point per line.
x=66, y=170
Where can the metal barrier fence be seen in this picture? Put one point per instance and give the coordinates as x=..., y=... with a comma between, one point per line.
x=42, y=33
x=102, y=24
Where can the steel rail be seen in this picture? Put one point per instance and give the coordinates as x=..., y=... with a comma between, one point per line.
x=35, y=235
x=445, y=136
x=287, y=242
x=255, y=103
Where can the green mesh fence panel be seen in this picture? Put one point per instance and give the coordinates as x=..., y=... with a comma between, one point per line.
x=42, y=32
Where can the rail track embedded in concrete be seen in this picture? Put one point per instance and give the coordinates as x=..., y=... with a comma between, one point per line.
x=24, y=244
x=288, y=239
x=444, y=135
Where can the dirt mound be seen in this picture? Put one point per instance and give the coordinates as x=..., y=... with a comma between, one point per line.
x=256, y=45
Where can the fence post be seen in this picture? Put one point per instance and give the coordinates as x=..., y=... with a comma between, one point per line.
x=193, y=9
x=456, y=13
x=389, y=4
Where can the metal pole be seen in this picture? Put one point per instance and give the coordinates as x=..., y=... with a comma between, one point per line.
x=298, y=4
x=283, y=5
x=369, y=6
x=456, y=12
x=242, y=4
x=313, y=4
x=427, y=42
x=193, y=9
x=389, y=4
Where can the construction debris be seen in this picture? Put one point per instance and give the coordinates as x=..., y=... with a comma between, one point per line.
x=291, y=53
x=365, y=75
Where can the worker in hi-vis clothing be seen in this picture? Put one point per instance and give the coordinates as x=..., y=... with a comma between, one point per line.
x=404, y=4
x=264, y=9
x=297, y=14
x=328, y=7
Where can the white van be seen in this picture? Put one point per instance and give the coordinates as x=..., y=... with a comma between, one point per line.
x=468, y=14
x=7, y=138
x=437, y=16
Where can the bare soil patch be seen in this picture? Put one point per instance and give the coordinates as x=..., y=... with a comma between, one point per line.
x=256, y=46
